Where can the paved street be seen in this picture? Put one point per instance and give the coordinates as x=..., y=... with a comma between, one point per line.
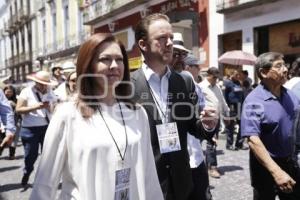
x=234, y=183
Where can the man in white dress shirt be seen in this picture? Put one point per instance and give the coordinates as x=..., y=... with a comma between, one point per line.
x=213, y=98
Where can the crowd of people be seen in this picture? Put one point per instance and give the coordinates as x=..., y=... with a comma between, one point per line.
x=107, y=133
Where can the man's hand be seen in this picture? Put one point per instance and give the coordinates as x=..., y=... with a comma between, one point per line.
x=284, y=181
x=209, y=118
x=45, y=105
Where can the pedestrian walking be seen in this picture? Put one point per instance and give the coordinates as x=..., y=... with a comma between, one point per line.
x=100, y=148
x=267, y=121
x=294, y=74
x=7, y=122
x=10, y=93
x=67, y=91
x=58, y=74
x=214, y=98
x=234, y=96
x=170, y=108
x=181, y=63
x=35, y=103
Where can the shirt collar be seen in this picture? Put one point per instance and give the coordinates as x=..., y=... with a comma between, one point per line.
x=267, y=94
x=150, y=73
x=206, y=83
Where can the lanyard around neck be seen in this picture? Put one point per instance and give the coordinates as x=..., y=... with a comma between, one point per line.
x=122, y=157
x=165, y=115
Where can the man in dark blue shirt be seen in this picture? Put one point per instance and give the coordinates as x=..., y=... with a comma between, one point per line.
x=234, y=96
x=267, y=121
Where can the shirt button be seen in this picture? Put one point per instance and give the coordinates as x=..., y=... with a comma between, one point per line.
x=167, y=166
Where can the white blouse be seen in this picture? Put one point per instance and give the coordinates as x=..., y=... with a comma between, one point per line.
x=83, y=154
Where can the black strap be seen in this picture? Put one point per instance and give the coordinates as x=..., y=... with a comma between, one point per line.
x=124, y=125
x=40, y=100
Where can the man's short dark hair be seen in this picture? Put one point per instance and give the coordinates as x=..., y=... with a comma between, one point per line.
x=213, y=71
x=245, y=72
x=55, y=68
x=265, y=61
x=141, y=30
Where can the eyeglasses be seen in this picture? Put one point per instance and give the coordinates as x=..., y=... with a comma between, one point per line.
x=179, y=54
x=280, y=65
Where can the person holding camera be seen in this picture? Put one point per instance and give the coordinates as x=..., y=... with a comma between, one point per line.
x=35, y=103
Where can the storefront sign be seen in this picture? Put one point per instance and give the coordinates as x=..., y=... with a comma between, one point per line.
x=135, y=63
x=173, y=5
x=294, y=39
x=285, y=38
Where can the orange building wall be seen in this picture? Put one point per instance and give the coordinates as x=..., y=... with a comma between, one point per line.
x=204, y=27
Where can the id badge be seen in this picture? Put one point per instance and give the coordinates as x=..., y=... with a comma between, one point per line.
x=168, y=137
x=122, y=184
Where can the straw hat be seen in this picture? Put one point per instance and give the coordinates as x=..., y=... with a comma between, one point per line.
x=42, y=77
x=178, y=42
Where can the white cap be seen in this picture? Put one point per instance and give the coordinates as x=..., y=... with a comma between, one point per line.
x=68, y=66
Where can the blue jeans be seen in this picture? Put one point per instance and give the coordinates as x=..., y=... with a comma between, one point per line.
x=211, y=150
x=32, y=137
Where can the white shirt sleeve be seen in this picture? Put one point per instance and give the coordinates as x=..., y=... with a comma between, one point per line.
x=23, y=94
x=53, y=158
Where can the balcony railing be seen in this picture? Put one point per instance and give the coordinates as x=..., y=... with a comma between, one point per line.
x=23, y=13
x=6, y=26
x=6, y=62
x=24, y=57
x=15, y=19
x=11, y=23
x=227, y=6
x=16, y=60
x=102, y=7
x=10, y=62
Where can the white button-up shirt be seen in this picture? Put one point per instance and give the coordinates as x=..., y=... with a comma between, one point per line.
x=159, y=89
x=214, y=97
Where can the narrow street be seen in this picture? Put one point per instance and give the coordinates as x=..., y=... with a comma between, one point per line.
x=234, y=183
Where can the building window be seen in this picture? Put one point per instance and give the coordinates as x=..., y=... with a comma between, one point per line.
x=44, y=35
x=80, y=25
x=54, y=25
x=66, y=24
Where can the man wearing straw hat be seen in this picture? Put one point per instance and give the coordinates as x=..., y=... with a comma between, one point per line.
x=34, y=103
